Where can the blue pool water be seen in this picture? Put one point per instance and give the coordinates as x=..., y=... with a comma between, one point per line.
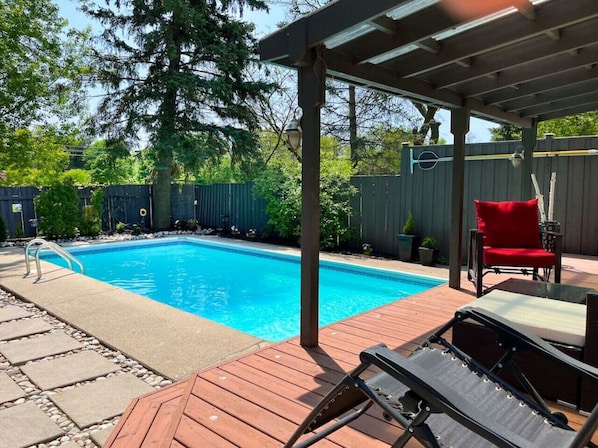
x=254, y=291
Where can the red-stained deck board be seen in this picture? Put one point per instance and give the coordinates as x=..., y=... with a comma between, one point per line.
x=190, y=433
x=143, y=414
x=259, y=399
x=227, y=424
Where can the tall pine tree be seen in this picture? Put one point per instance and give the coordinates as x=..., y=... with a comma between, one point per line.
x=173, y=72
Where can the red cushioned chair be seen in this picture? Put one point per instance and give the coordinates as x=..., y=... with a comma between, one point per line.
x=508, y=240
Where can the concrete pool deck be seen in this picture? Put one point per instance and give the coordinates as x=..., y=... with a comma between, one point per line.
x=169, y=341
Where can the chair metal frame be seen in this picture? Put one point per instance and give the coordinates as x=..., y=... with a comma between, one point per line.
x=477, y=269
x=419, y=396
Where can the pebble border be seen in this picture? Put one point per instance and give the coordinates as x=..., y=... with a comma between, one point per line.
x=80, y=436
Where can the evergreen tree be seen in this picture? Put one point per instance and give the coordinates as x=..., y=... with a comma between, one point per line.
x=173, y=71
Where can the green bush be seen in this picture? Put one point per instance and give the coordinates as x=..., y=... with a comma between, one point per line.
x=91, y=221
x=97, y=200
x=19, y=232
x=409, y=226
x=90, y=224
x=120, y=227
x=429, y=242
x=3, y=231
x=282, y=193
x=57, y=209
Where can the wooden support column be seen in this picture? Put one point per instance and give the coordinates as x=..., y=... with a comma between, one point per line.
x=459, y=128
x=311, y=90
x=528, y=140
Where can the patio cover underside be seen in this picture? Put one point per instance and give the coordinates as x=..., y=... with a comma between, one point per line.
x=522, y=62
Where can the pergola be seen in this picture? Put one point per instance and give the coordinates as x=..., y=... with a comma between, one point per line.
x=522, y=62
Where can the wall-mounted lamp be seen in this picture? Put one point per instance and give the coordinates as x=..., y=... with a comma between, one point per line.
x=293, y=131
x=517, y=157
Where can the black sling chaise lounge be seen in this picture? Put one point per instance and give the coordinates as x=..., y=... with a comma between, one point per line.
x=443, y=398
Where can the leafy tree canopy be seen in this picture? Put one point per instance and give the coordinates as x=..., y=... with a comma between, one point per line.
x=109, y=163
x=36, y=156
x=42, y=65
x=174, y=72
x=382, y=156
x=571, y=126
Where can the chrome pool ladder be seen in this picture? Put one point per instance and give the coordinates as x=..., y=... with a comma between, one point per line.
x=58, y=250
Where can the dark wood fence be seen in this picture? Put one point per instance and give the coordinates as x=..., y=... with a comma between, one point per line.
x=17, y=211
x=382, y=203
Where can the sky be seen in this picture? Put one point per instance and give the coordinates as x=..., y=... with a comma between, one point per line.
x=266, y=23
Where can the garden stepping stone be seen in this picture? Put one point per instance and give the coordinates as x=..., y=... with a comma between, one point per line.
x=20, y=328
x=19, y=352
x=9, y=390
x=100, y=436
x=25, y=425
x=12, y=312
x=101, y=400
x=69, y=369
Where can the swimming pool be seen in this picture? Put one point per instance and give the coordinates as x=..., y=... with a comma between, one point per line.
x=254, y=291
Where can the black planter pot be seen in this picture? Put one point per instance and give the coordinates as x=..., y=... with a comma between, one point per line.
x=407, y=247
x=427, y=257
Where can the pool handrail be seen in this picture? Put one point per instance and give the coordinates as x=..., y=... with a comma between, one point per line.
x=58, y=250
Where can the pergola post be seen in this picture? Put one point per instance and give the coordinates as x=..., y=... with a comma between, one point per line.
x=311, y=91
x=528, y=140
x=459, y=128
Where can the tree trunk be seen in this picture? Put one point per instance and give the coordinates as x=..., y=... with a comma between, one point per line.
x=353, y=142
x=163, y=212
x=427, y=112
x=167, y=135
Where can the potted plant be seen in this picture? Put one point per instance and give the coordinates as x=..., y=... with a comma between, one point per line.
x=120, y=227
x=407, y=240
x=427, y=251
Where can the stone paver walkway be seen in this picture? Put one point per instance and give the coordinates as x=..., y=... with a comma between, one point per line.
x=60, y=387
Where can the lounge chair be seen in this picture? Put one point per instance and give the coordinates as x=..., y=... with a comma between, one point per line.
x=508, y=239
x=444, y=398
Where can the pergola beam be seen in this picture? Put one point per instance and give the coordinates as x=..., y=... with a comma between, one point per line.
x=503, y=33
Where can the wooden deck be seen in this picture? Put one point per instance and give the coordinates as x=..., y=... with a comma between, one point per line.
x=259, y=399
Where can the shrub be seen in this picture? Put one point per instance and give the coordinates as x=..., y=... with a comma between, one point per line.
x=19, y=232
x=97, y=200
x=282, y=193
x=409, y=226
x=429, y=242
x=120, y=227
x=91, y=215
x=57, y=209
x=3, y=231
x=90, y=221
